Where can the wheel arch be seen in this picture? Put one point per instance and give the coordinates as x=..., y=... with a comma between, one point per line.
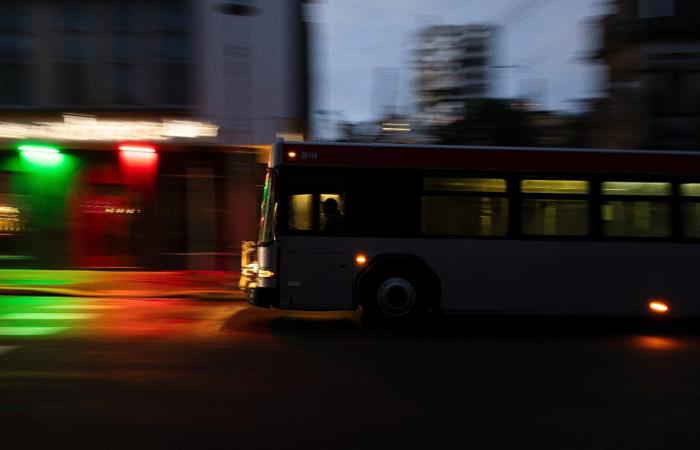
x=404, y=263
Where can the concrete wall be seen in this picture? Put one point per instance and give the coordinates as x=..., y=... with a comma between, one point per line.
x=251, y=76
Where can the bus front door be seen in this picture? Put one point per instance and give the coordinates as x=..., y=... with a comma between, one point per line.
x=316, y=281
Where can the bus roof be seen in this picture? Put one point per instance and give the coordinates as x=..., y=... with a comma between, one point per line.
x=505, y=159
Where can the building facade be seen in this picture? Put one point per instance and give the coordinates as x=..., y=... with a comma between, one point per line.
x=452, y=66
x=134, y=133
x=652, y=52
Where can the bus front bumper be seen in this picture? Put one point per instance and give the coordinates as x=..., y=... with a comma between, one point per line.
x=262, y=297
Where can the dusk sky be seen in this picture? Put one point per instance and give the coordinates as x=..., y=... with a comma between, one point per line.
x=543, y=43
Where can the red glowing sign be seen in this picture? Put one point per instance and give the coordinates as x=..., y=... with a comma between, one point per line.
x=139, y=162
x=137, y=148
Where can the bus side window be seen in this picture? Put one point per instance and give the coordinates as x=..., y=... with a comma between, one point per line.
x=301, y=212
x=690, y=209
x=555, y=207
x=464, y=207
x=331, y=213
x=636, y=209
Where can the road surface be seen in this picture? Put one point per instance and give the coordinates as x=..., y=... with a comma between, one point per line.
x=178, y=373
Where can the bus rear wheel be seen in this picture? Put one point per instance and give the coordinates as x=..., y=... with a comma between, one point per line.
x=395, y=298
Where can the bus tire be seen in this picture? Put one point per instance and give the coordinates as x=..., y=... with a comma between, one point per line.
x=395, y=297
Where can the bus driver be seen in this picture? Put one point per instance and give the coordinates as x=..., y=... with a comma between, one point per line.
x=333, y=221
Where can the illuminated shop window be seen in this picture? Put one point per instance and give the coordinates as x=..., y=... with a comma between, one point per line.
x=10, y=222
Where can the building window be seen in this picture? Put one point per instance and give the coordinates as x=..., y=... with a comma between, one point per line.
x=127, y=74
x=73, y=53
x=170, y=52
x=16, y=51
x=464, y=207
x=15, y=82
x=656, y=8
x=71, y=83
x=174, y=82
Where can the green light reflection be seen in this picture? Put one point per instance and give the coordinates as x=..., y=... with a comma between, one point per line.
x=30, y=331
x=47, y=316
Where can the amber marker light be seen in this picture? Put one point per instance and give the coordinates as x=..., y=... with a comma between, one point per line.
x=292, y=155
x=360, y=259
x=658, y=307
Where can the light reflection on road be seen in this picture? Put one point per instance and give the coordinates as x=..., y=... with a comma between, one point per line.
x=659, y=343
x=119, y=318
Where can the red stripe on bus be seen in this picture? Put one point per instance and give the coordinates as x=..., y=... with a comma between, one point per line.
x=531, y=160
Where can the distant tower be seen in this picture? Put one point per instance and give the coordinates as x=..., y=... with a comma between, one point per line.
x=385, y=86
x=533, y=90
x=452, y=66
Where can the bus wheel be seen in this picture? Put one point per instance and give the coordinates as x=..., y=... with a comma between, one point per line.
x=395, y=298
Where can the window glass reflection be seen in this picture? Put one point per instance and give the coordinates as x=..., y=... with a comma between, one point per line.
x=635, y=188
x=465, y=184
x=555, y=217
x=554, y=186
x=464, y=216
x=301, y=212
x=636, y=218
x=690, y=190
x=690, y=212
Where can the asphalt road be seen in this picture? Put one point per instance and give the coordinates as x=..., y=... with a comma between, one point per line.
x=171, y=373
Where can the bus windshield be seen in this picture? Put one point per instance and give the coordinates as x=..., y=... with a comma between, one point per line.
x=267, y=213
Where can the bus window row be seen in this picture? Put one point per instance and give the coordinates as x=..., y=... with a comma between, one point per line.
x=481, y=207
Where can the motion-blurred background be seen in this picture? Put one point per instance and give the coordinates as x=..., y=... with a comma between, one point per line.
x=134, y=134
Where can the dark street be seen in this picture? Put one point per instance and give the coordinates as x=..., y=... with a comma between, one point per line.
x=140, y=373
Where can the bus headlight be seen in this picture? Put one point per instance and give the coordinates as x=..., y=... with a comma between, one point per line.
x=265, y=273
x=250, y=270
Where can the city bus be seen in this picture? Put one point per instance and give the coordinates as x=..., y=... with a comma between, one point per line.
x=399, y=230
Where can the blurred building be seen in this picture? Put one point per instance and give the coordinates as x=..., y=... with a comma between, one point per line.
x=393, y=128
x=452, y=67
x=652, y=51
x=195, y=89
x=327, y=124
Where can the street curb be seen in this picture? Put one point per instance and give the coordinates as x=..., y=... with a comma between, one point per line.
x=219, y=295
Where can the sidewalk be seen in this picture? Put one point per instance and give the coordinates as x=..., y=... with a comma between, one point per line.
x=206, y=285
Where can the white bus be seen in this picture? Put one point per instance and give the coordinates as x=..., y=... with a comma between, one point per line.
x=399, y=229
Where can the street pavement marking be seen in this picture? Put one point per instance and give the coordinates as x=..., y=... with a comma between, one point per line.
x=7, y=348
x=30, y=331
x=88, y=307
x=47, y=316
